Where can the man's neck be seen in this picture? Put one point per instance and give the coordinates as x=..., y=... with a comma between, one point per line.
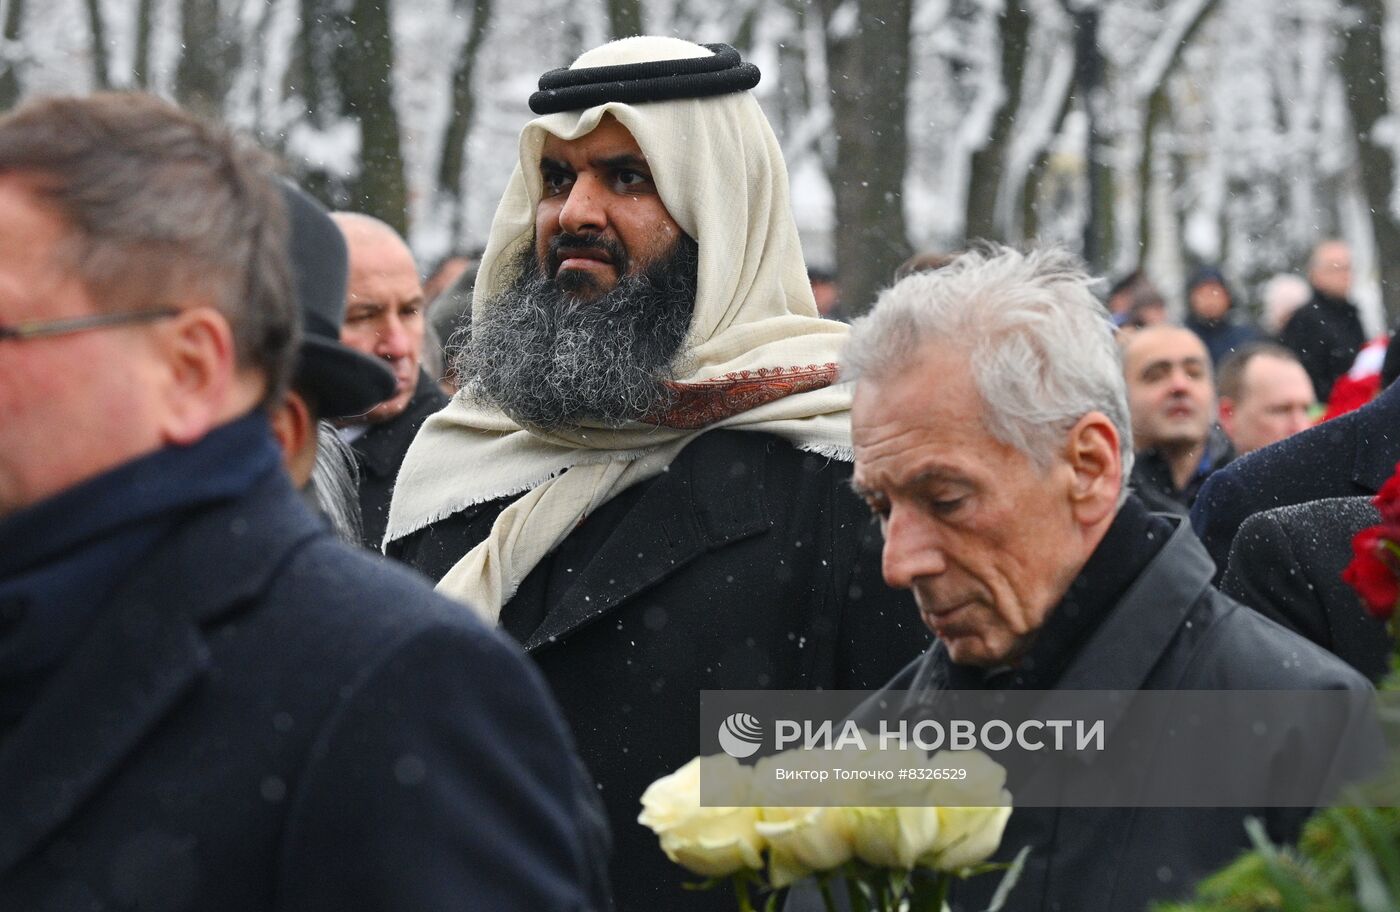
x=1182, y=459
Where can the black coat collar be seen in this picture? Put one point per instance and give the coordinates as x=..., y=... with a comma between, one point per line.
x=382, y=446
x=142, y=653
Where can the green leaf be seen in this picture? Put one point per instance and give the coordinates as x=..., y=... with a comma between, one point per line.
x=1371, y=892
x=1293, y=893
x=1380, y=835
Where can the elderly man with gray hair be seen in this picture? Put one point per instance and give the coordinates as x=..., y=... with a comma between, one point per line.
x=992, y=441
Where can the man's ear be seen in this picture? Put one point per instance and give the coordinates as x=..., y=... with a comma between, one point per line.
x=198, y=350
x=1096, y=465
x=295, y=430
x=1227, y=416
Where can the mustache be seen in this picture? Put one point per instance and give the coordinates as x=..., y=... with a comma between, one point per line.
x=564, y=243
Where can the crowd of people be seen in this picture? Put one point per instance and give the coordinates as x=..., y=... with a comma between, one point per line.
x=609, y=464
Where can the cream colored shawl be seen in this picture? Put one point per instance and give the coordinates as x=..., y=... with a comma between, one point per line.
x=720, y=173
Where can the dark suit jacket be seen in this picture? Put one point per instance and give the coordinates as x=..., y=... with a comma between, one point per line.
x=264, y=718
x=1350, y=455
x=380, y=451
x=1170, y=631
x=746, y=565
x=1287, y=563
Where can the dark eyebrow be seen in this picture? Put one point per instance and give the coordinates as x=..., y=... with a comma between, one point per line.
x=553, y=163
x=626, y=160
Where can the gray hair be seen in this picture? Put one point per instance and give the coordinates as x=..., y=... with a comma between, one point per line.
x=1041, y=345
x=334, y=488
x=162, y=207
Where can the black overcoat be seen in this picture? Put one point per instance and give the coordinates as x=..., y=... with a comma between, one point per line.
x=264, y=718
x=746, y=565
x=1288, y=563
x=380, y=451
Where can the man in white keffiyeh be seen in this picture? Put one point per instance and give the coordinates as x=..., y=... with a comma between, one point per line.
x=645, y=478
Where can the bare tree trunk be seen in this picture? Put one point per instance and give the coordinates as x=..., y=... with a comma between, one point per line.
x=141, y=66
x=100, y=73
x=208, y=61
x=364, y=66
x=1098, y=227
x=625, y=17
x=989, y=161
x=315, y=79
x=1363, y=68
x=1030, y=185
x=1162, y=62
x=869, y=62
x=453, y=162
x=9, y=75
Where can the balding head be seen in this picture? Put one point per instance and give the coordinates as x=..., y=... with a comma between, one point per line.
x=384, y=304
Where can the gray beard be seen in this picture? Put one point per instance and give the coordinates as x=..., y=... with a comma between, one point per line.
x=549, y=359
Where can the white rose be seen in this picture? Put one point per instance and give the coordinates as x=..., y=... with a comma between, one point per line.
x=892, y=837
x=804, y=840
x=802, y=836
x=972, y=812
x=710, y=841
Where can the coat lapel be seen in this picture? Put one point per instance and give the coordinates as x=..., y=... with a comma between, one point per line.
x=686, y=511
x=142, y=654
x=1127, y=646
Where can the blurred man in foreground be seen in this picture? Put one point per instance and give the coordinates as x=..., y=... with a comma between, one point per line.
x=210, y=703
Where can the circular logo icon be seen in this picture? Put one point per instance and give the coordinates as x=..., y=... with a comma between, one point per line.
x=741, y=735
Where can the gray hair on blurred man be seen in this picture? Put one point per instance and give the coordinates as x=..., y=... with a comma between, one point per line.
x=992, y=441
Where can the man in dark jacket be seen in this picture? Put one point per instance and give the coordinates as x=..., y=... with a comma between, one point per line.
x=384, y=317
x=995, y=464
x=206, y=701
x=1326, y=332
x=645, y=477
x=1172, y=402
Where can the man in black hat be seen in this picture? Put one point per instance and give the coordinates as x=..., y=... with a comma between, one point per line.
x=206, y=700
x=332, y=381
